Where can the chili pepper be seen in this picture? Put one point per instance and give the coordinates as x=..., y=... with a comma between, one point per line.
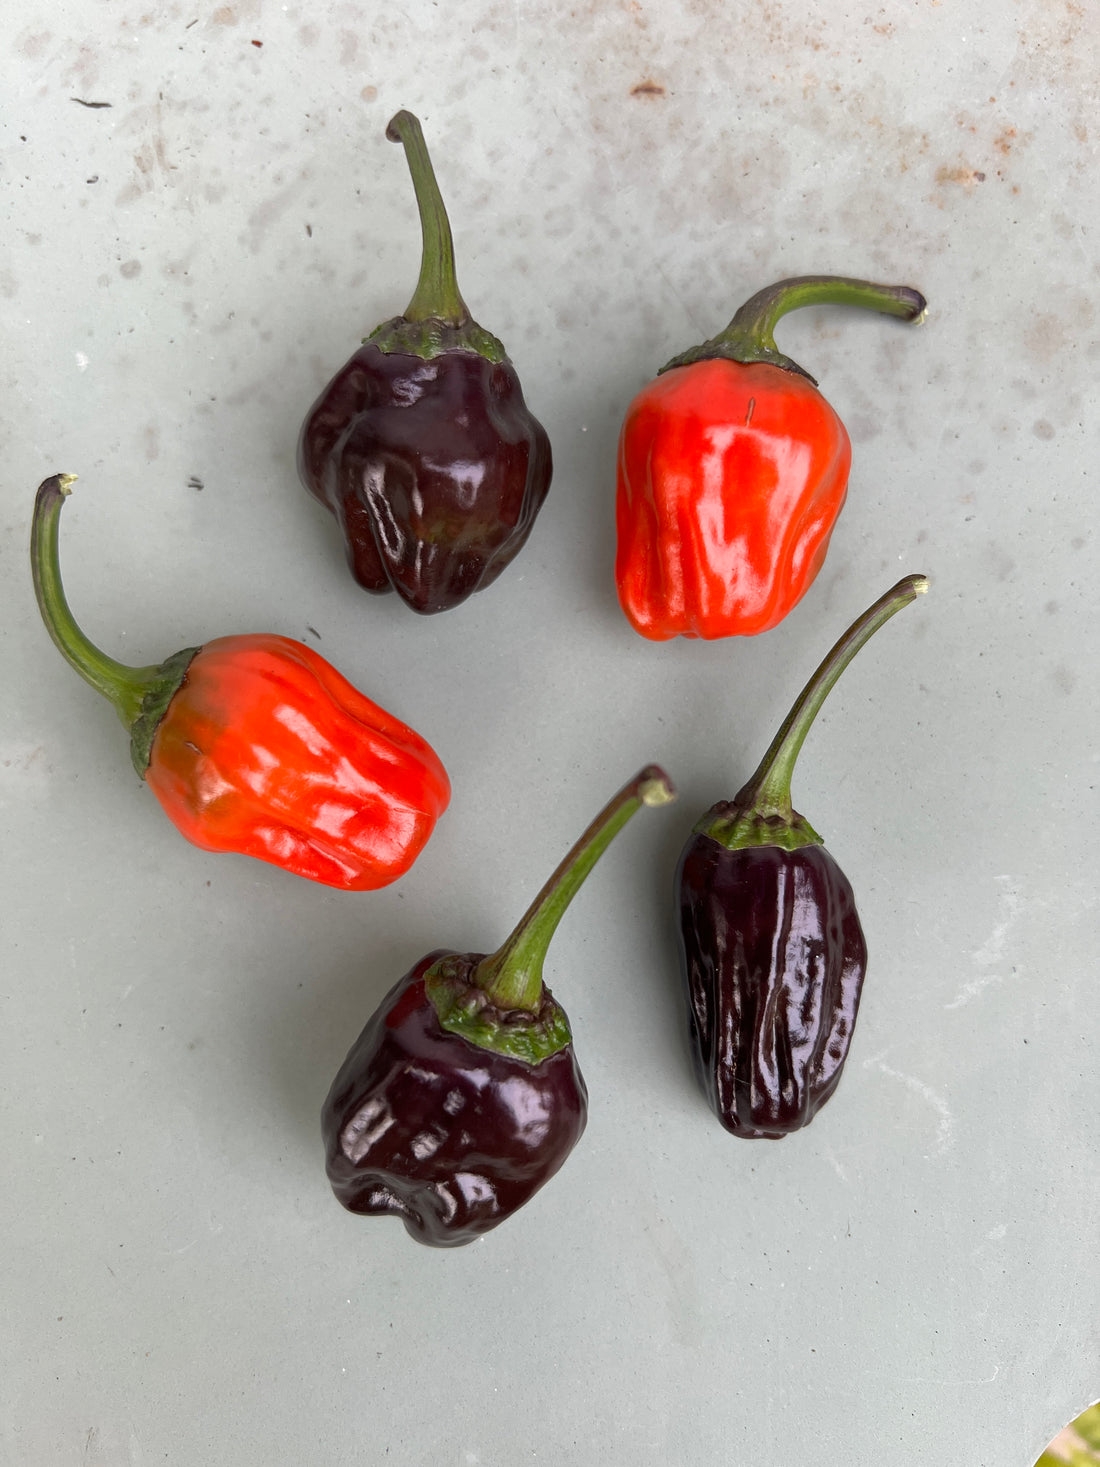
x=732, y=471
x=422, y=445
x=462, y=1096
x=256, y=744
x=772, y=950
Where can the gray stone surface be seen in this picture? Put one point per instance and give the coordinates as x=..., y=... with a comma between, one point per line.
x=911, y=1280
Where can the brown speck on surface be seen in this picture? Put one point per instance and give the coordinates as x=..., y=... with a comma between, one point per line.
x=224, y=16
x=258, y=43
x=1047, y=337
x=1003, y=143
x=959, y=173
x=647, y=88
x=1043, y=429
x=94, y=105
x=309, y=230
x=368, y=94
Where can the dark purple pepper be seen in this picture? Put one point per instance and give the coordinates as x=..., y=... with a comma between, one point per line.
x=771, y=1013
x=462, y=1095
x=773, y=955
x=422, y=445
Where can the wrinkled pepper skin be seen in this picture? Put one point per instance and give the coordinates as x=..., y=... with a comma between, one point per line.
x=451, y=1138
x=772, y=954
x=730, y=479
x=732, y=471
x=266, y=750
x=255, y=744
x=462, y=1096
x=773, y=957
x=434, y=468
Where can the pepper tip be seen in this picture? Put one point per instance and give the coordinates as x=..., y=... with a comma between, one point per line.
x=395, y=124
x=655, y=787
x=61, y=483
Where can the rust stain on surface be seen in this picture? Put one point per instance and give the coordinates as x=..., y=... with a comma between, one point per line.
x=959, y=174
x=647, y=88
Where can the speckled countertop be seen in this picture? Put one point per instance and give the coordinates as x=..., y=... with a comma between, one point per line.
x=913, y=1278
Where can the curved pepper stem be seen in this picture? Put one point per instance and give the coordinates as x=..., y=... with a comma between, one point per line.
x=762, y=812
x=437, y=295
x=750, y=336
x=139, y=695
x=437, y=319
x=512, y=976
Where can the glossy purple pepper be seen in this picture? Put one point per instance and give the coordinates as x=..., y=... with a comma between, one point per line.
x=422, y=445
x=773, y=954
x=462, y=1096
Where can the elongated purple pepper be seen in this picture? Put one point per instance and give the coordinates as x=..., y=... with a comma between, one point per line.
x=772, y=950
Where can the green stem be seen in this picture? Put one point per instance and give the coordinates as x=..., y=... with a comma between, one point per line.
x=750, y=336
x=437, y=296
x=512, y=976
x=124, y=687
x=767, y=795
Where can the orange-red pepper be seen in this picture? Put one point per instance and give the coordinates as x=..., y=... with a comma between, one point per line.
x=732, y=471
x=256, y=744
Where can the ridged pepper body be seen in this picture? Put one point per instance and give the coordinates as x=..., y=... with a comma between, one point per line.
x=265, y=749
x=731, y=476
x=434, y=467
x=773, y=957
x=450, y=1137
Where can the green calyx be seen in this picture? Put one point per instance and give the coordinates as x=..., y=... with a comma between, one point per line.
x=761, y=814
x=139, y=695
x=437, y=319
x=750, y=336
x=465, y=1009
x=432, y=337
x=499, y=1001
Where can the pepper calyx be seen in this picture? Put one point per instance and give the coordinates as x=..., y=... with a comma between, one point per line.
x=166, y=683
x=737, y=828
x=743, y=351
x=464, y=1009
x=432, y=336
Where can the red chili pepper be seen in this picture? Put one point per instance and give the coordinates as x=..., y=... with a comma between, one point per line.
x=732, y=471
x=256, y=744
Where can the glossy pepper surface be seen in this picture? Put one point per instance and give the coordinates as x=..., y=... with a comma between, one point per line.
x=773, y=954
x=732, y=471
x=422, y=445
x=462, y=1096
x=256, y=744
